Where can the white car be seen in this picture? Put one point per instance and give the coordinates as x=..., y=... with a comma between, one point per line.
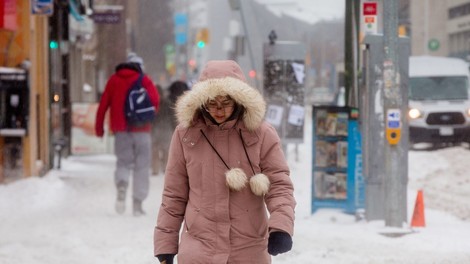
x=439, y=100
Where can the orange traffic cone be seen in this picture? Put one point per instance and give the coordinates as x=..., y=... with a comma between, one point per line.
x=418, y=214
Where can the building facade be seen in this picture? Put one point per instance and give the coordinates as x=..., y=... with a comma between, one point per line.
x=440, y=28
x=458, y=28
x=55, y=59
x=24, y=44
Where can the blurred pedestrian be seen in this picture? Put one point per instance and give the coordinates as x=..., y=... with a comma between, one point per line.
x=165, y=124
x=226, y=177
x=132, y=144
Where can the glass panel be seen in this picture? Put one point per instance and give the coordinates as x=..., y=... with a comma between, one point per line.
x=439, y=88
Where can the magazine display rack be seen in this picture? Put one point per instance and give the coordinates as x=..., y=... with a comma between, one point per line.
x=337, y=159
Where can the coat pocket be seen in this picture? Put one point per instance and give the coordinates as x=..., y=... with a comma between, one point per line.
x=250, y=219
x=197, y=225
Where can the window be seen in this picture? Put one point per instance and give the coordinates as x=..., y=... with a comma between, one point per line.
x=458, y=11
x=438, y=88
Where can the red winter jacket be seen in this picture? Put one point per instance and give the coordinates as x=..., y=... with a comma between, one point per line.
x=114, y=97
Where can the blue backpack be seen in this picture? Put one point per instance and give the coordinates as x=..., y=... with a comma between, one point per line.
x=139, y=110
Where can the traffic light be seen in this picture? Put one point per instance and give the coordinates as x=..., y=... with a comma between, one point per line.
x=252, y=74
x=192, y=63
x=202, y=37
x=401, y=30
x=201, y=44
x=53, y=44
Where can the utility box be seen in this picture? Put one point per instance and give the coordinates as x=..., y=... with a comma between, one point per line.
x=372, y=122
x=284, y=89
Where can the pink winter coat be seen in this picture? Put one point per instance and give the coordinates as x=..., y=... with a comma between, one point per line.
x=223, y=225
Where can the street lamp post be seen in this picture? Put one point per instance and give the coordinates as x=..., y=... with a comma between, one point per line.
x=237, y=5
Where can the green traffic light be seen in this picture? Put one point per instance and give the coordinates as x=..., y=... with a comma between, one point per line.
x=53, y=44
x=201, y=44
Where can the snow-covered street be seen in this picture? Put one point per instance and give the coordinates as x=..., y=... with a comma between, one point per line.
x=68, y=217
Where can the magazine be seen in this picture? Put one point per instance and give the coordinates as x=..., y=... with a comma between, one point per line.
x=321, y=153
x=321, y=122
x=341, y=186
x=331, y=120
x=329, y=186
x=342, y=124
x=342, y=151
x=318, y=177
x=332, y=154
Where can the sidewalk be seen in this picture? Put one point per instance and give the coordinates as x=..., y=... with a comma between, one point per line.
x=68, y=217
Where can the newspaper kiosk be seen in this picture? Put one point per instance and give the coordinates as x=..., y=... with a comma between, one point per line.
x=337, y=180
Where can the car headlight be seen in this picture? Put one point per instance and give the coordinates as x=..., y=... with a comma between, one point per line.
x=414, y=113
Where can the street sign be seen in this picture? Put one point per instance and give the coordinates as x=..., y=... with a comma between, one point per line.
x=109, y=17
x=433, y=44
x=393, y=114
x=393, y=118
x=181, y=28
x=393, y=129
x=42, y=7
x=370, y=25
x=369, y=18
x=8, y=15
x=369, y=9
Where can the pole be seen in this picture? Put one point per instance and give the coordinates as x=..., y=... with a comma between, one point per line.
x=348, y=55
x=250, y=50
x=393, y=118
x=426, y=25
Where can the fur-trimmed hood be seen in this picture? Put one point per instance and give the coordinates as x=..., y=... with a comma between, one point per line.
x=222, y=78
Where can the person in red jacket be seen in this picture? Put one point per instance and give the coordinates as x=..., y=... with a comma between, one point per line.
x=132, y=145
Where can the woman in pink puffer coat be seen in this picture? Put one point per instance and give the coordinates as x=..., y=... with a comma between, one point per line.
x=226, y=177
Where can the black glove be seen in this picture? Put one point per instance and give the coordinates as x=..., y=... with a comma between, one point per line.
x=166, y=257
x=279, y=242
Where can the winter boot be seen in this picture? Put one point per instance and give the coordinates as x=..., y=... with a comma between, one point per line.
x=137, y=207
x=121, y=197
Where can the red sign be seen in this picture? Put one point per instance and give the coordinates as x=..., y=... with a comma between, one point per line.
x=369, y=9
x=369, y=19
x=8, y=18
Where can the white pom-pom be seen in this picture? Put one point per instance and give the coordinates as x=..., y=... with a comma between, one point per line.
x=259, y=184
x=236, y=179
